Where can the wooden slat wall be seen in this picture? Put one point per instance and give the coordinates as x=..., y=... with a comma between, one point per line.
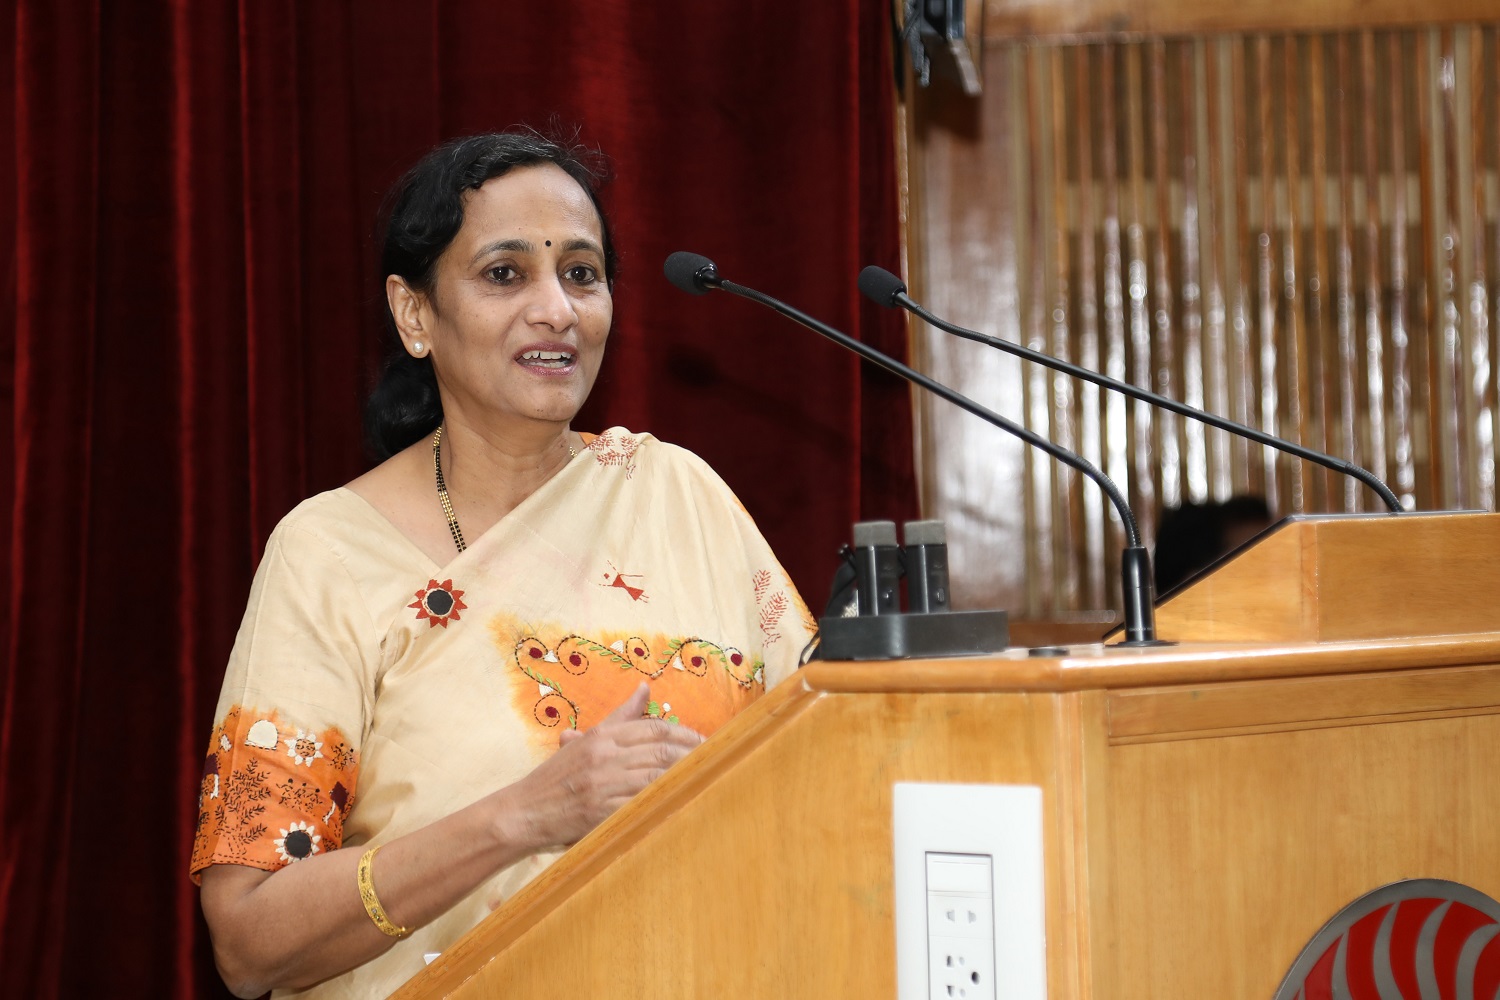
x=1079, y=19
x=1299, y=231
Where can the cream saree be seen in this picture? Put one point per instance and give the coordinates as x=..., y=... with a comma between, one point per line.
x=371, y=692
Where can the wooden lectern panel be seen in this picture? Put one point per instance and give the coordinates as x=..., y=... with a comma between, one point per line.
x=775, y=878
x=1334, y=578
x=1206, y=809
x=1228, y=839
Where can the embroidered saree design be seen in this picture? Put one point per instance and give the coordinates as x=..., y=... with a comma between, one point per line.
x=576, y=680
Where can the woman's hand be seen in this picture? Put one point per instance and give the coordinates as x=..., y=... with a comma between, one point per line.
x=597, y=771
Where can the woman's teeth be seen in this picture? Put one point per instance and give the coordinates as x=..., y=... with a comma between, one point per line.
x=547, y=359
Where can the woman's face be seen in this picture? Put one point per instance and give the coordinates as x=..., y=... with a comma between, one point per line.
x=519, y=309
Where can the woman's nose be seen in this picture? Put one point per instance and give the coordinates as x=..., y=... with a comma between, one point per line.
x=550, y=305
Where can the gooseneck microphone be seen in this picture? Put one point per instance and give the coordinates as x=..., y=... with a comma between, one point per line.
x=884, y=288
x=697, y=275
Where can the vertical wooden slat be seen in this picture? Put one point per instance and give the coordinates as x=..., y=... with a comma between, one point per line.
x=1403, y=432
x=1457, y=438
x=1265, y=284
x=1294, y=350
x=1325, y=353
x=1251, y=478
x=1424, y=299
x=1374, y=457
x=1143, y=449
x=1216, y=361
x=1067, y=511
x=1338, y=383
x=1436, y=383
x=1189, y=102
x=1490, y=140
x=1041, y=569
x=1117, y=421
x=1090, y=416
x=1481, y=383
x=1459, y=246
x=1163, y=345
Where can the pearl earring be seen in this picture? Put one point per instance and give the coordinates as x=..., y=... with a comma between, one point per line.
x=417, y=348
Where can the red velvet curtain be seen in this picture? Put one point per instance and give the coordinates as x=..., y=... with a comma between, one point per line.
x=190, y=322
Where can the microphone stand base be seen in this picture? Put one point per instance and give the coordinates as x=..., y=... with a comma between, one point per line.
x=913, y=635
x=1141, y=643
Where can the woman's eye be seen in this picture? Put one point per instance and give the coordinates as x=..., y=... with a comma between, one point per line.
x=502, y=273
x=582, y=274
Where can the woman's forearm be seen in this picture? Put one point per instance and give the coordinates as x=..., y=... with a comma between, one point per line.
x=304, y=923
x=260, y=920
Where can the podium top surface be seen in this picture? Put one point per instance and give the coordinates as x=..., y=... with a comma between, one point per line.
x=1099, y=666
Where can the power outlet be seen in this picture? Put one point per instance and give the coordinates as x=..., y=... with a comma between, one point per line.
x=961, y=926
x=969, y=892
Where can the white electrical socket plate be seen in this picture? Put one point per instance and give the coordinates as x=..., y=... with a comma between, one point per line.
x=1003, y=822
x=961, y=926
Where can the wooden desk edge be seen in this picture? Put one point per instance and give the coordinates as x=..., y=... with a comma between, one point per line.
x=1106, y=667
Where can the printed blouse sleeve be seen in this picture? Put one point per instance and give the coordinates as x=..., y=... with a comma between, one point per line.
x=282, y=765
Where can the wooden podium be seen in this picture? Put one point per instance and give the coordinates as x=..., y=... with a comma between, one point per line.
x=1329, y=722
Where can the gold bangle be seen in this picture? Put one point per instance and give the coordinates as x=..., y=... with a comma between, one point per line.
x=372, y=901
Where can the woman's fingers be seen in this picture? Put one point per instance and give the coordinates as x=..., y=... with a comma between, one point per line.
x=613, y=752
x=653, y=731
x=625, y=724
x=631, y=708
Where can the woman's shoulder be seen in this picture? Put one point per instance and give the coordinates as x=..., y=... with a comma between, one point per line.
x=338, y=524
x=331, y=513
x=622, y=446
x=635, y=451
x=660, y=461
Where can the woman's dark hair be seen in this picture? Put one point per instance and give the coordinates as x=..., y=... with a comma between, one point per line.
x=425, y=211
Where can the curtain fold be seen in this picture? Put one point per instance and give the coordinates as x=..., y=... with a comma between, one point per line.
x=191, y=319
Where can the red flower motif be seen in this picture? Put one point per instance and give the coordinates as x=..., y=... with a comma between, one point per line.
x=439, y=603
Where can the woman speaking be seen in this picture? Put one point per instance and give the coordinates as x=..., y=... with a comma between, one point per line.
x=465, y=659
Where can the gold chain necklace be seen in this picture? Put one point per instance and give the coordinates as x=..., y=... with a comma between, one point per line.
x=442, y=487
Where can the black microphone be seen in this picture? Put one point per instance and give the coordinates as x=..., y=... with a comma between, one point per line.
x=877, y=567
x=926, y=565
x=884, y=288
x=695, y=275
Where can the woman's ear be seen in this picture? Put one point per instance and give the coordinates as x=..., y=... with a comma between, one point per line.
x=410, y=311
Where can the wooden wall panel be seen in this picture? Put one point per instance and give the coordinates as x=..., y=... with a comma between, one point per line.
x=1299, y=231
x=1078, y=19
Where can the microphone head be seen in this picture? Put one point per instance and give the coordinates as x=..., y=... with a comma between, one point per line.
x=880, y=286
x=691, y=272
